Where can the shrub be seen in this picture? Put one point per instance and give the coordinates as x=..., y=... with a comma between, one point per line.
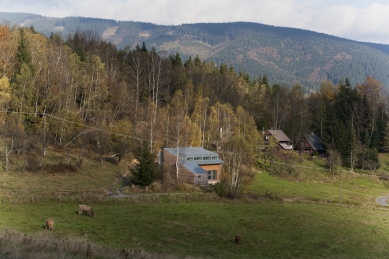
x=33, y=164
x=185, y=187
x=156, y=187
x=60, y=168
x=220, y=189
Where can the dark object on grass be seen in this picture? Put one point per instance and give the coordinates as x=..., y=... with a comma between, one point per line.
x=238, y=238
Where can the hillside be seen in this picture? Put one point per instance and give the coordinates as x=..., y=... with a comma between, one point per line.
x=287, y=56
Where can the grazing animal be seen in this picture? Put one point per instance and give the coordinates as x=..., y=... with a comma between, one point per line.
x=50, y=223
x=238, y=238
x=84, y=208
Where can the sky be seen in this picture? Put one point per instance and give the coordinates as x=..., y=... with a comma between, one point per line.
x=361, y=20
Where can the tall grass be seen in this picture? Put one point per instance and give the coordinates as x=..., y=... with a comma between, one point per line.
x=15, y=245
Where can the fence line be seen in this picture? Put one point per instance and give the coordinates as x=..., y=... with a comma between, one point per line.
x=309, y=167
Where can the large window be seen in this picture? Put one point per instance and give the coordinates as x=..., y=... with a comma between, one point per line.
x=212, y=175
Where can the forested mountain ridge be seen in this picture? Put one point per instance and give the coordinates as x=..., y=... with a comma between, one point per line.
x=287, y=56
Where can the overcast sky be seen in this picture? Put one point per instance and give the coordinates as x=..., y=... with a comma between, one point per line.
x=362, y=20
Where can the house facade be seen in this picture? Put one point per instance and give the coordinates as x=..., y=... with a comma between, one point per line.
x=196, y=165
x=283, y=142
x=310, y=143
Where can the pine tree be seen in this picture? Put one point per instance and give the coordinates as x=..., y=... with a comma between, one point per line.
x=143, y=49
x=146, y=171
x=385, y=141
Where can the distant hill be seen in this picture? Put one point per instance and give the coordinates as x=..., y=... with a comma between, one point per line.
x=286, y=55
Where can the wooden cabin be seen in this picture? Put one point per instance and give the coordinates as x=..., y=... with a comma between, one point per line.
x=310, y=143
x=284, y=143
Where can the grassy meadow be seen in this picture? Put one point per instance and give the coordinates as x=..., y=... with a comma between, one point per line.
x=205, y=228
x=316, y=214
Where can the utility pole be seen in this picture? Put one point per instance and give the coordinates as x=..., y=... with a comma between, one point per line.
x=341, y=186
x=44, y=135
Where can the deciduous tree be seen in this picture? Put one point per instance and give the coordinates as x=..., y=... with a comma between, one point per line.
x=238, y=160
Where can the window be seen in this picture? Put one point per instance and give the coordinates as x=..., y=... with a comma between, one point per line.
x=207, y=158
x=214, y=158
x=198, y=158
x=212, y=175
x=190, y=158
x=302, y=143
x=266, y=137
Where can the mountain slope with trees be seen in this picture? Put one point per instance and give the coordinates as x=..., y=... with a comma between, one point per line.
x=287, y=56
x=84, y=94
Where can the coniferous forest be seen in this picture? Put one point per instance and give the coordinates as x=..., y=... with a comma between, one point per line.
x=82, y=93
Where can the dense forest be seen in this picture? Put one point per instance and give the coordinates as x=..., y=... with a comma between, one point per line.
x=82, y=93
x=287, y=56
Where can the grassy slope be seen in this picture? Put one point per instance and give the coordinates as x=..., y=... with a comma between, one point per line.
x=203, y=225
x=93, y=178
x=355, y=189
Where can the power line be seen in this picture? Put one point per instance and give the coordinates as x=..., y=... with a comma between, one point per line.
x=73, y=122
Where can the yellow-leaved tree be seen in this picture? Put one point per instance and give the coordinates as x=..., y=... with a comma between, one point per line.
x=5, y=97
x=8, y=47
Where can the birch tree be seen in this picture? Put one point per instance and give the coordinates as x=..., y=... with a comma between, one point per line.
x=8, y=47
x=238, y=160
x=180, y=126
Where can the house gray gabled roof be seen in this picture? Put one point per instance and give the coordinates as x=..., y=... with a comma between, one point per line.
x=314, y=141
x=185, y=152
x=192, y=152
x=193, y=167
x=279, y=135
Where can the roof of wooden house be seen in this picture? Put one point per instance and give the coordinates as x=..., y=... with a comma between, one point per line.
x=193, y=157
x=285, y=146
x=314, y=141
x=279, y=135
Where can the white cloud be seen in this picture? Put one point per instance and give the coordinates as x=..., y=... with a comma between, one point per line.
x=364, y=20
x=364, y=24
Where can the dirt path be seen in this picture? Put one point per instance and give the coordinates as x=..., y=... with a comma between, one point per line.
x=145, y=194
x=119, y=178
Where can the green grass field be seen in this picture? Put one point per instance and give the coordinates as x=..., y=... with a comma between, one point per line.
x=303, y=217
x=206, y=228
